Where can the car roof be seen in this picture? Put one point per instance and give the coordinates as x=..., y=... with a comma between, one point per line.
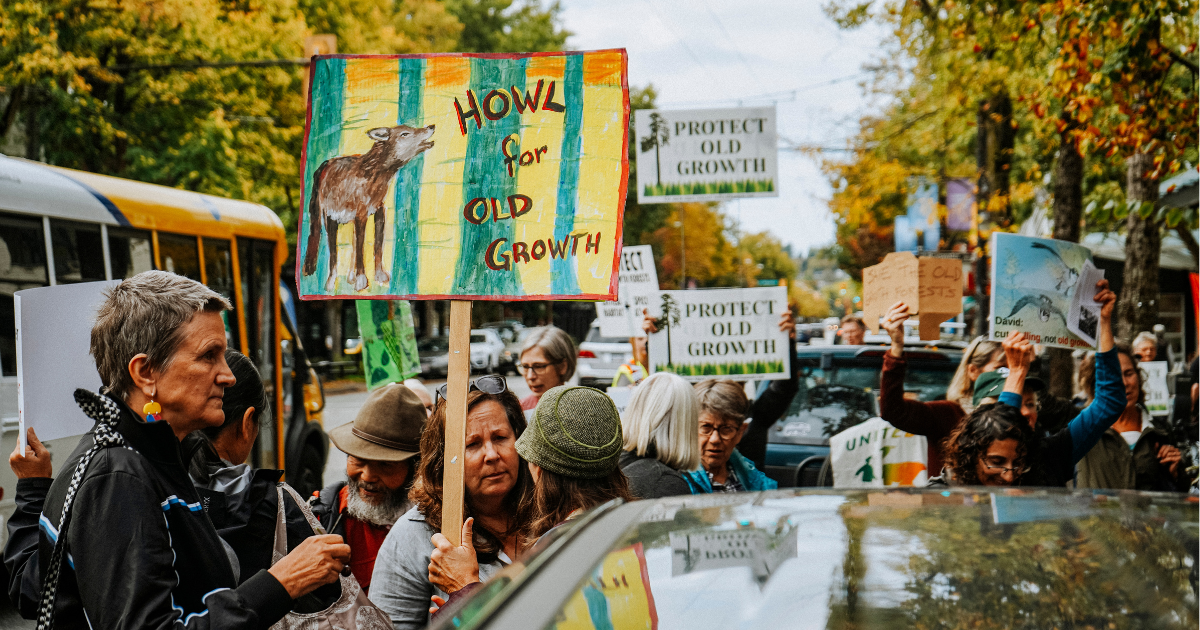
x=909, y=557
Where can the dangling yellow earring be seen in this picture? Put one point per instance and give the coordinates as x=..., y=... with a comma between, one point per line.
x=153, y=411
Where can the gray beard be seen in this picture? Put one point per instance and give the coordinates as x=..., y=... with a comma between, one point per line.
x=384, y=514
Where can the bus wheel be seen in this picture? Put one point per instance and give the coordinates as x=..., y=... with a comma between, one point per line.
x=310, y=472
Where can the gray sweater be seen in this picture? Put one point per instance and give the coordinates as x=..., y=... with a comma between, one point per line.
x=648, y=477
x=400, y=584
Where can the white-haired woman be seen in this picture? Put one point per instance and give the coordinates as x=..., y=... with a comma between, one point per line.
x=127, y=531
x=547, y=360
x=660, y=435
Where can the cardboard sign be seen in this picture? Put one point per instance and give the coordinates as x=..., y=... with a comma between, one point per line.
x=931, y=287
x=639, y=284
x=616, y=595
x=54, y=330
x=875, y=454
x=1158, y=397
x=706, y=154
x=727, y=333
x=464, y=175
x=389, y=345
x=1034, y=287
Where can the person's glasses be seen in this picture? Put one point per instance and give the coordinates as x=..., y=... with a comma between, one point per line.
x=536, y=368
x=726, y=431
x=1014, y=470
x=490, y=384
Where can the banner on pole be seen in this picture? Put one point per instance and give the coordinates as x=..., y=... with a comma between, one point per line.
x=389, y=344
x=1044, y=288
x=1158, y=397
x=706, y=154
x=464, y=176
x=639, y=284
x=727, y=333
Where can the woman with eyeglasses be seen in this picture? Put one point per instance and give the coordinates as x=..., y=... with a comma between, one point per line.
x=547, y=360
x=997, y=445
x=497, y=485
x=724, y=413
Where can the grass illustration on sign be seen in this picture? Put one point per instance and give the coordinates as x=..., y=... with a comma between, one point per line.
x=722, y=369
x=708, y=188
x=464, y=175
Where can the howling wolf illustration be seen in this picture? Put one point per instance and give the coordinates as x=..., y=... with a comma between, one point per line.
x=350, y=188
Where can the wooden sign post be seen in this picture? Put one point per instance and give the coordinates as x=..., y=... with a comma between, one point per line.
x=458, y=374
x=463, y=177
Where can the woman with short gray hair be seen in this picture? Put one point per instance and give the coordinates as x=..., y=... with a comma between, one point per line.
x=547, y=360
x=724, y=417
x=122, y=517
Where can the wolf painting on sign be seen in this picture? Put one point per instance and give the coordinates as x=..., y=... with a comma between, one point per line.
x=520, y=198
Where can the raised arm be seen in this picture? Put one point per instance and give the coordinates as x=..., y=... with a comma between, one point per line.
x=931, y=419
x=1109, y=400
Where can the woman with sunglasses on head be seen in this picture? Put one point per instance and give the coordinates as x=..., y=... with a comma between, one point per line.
x=547, y=360
x=496, y=483
x=997, y=445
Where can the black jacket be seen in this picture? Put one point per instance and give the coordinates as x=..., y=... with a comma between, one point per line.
x=325, y=507
x=141, y=552
x=766, y=410
x=650, y=478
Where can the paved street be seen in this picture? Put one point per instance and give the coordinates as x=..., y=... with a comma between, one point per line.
x=341, y=408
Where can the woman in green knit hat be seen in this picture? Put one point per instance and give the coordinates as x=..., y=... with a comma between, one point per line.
x=572, y=447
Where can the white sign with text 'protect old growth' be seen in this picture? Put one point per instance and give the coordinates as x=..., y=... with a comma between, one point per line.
x=706, y=154
x=639, y=284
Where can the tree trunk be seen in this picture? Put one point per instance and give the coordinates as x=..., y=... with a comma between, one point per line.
x=1137, y=309
x=1068, y=210
x=1000, y=137
x=333, y=329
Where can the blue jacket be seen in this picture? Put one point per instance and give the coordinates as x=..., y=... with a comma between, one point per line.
x=751, y=478
x=1062, y=450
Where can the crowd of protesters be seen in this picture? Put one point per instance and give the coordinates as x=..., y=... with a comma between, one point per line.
x=154, y=521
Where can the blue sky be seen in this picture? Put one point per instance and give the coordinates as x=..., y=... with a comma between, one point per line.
x=708, y=53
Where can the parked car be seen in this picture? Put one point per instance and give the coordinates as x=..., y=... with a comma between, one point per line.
x=839, y=389
x=511, y=355
x=856, y=559
x=486, y=347
x=434, y=353
x=601, y=357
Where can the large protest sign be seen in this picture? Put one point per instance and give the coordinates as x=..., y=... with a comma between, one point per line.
x=731, y=333
x=706, y=154
x=931, y=287
x=1158, y=397
x=1044, y=288
x=464, y=175
x=54, y=327
x=389, y=344
x=616, y=595
x=639, y=284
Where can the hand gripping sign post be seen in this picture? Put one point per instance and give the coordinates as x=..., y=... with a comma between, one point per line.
x=464, y=177
x=931, y=287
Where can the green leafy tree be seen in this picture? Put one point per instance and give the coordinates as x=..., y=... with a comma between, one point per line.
x=495, y=26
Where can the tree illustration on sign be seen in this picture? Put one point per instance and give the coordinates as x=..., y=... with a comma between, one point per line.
x=659, y=134
x=670, y=317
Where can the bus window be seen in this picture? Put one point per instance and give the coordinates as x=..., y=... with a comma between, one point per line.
x=22, y=266
x=178, y=254
x=218, y=270
x=129, y=252
x=78, y=254
x=256, y=260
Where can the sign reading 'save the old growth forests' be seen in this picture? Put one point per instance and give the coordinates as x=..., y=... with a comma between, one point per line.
x=639, y=284
x=706, y=154
x=464, y=176
x=731, y=333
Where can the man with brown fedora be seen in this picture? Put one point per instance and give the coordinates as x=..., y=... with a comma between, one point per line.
x=381, y=447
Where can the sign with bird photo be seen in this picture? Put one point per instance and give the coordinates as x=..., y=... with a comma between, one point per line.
x=706, y=154
x=1044, y=288
x=389, y=343
x=464, y=176
x=730, y=333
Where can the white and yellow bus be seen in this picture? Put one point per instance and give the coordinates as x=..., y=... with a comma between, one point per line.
x=59, y=226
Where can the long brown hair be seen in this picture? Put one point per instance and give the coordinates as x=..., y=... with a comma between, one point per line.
x=426, y=491
x=555, y=496
x=969, y=443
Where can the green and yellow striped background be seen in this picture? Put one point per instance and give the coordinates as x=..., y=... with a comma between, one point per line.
x=431, y=251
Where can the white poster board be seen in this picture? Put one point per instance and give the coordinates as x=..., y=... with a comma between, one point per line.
x=706, y=154
x=1158, y=398
x=721, y=333
x=875, y=454
x=54, y=329
x=639, y=283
